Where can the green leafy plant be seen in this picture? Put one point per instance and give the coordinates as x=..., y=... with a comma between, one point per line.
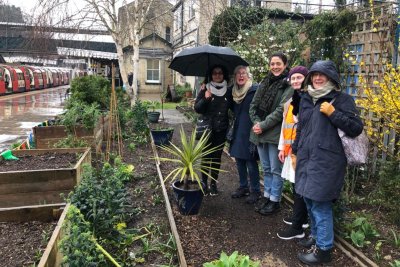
x=234, y=260
x=259, y=42
x=358, y=238
x=91, y=89
x=70, y=142
x=79, y=235
x=396, y=238
x=80, y=113
x=190, y=158
x=362, y=231
x=396, y=263
x=330, y=33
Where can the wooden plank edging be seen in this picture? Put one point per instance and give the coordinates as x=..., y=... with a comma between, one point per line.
x=171, y=219
x=52, y=257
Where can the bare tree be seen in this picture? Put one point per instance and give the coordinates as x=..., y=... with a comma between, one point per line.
x=95, y=14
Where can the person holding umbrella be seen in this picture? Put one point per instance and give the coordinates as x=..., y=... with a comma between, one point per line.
x=213, y=102
x=266, y=114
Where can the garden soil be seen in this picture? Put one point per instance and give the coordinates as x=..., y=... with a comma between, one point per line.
x=226, y=224
x=22, y=244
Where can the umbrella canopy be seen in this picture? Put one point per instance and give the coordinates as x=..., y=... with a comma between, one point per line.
x=197, y=60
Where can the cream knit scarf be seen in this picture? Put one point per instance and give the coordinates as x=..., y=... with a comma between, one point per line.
x=318, y=93
x=239, y=93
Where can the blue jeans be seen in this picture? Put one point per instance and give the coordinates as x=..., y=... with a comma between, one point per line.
x=321, y=218
x=249, y=167
x=272, y=169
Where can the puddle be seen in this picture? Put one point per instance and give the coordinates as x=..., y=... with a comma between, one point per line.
x=28, y=125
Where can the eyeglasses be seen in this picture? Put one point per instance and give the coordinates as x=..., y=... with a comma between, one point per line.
x=218, y=73
x=241, y=74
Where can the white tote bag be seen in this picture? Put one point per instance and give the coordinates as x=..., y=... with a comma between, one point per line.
x=287, y=170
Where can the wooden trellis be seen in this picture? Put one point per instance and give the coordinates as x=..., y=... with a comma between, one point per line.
x=371, y=48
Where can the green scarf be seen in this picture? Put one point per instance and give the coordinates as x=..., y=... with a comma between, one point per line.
x=270, y=86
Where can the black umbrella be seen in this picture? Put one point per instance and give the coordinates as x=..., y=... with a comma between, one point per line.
x=197, y=60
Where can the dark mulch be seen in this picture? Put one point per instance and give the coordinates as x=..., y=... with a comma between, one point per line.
x=40, y=162
x=147, y=199
x=226, y=224
x=22, y=244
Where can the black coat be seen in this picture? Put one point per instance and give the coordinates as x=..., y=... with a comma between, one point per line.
x=240, y=144
x=215, y=109
x=321, y=162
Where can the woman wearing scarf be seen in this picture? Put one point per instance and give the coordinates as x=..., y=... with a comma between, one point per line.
x=299, y=218
x=266, y=112
x=318, y=156
x=213, y=102
x=246, y=163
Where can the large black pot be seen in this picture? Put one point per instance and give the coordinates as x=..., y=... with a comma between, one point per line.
x=162, y=136
x=153, y=116
x=189, y=201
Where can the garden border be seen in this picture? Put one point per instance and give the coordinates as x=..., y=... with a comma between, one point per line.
x=181, y=255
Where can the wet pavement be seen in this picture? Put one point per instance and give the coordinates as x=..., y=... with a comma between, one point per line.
x=20, y=112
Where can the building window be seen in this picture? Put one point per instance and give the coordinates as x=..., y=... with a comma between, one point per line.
x=153, y=71
x=168, y=34
x=192, y=11
x=178, y=18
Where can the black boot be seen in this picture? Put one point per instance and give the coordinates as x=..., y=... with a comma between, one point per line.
x=271, y=208
x=315, y=256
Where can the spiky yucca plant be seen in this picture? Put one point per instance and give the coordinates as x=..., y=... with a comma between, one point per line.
x=190, y=158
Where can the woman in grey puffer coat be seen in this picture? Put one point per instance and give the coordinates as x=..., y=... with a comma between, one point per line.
x=318, y=155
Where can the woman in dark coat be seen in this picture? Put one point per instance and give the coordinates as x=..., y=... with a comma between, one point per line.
x=213, y=102
x=243, y=92
x=318, y=154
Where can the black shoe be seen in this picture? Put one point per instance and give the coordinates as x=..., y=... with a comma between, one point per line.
x=315, y=256
x=253, y=197
x=289, y=221
x=271, y=208
x=307, y=242
x=261, y=202
x=291, y=233
x=240, y=192
x=213, y=191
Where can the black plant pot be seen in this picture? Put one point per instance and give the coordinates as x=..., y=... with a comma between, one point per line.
x=162, y=136
x=153, y=116
x=189, y=201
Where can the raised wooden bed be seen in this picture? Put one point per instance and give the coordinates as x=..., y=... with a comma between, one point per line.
x=38, y=187
x=48, y=136
x=52, y=257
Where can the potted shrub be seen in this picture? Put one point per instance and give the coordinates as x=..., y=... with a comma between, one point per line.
x=187, y=185
x=153, y=115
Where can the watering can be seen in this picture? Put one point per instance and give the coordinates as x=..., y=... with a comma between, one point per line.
x=7, y=155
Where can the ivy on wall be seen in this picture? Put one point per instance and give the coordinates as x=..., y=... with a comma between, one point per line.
x=330, y=33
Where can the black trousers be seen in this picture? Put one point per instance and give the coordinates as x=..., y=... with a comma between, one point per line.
x=300, y=214
x=216, y=139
